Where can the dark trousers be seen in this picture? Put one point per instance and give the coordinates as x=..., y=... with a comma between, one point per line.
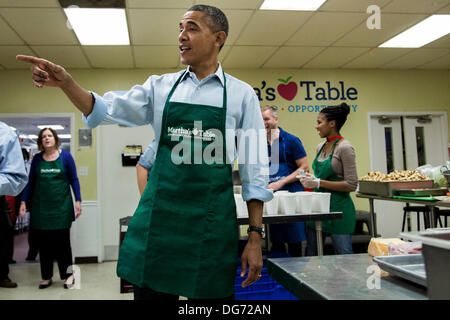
x=294, y=249
x=54, y=245
x=32, y=246
x=149, y=294
x=5, y=250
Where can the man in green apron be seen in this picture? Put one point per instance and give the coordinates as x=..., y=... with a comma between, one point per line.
x=182, y=239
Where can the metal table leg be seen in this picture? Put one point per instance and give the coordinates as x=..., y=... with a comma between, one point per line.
x=433, y=217
x=319, y=238
x=373, y=231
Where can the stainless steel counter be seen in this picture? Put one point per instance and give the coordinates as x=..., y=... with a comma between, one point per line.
x=341, y=277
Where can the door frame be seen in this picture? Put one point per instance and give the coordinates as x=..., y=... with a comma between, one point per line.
x=442, y=116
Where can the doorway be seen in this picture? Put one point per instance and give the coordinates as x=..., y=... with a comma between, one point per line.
x=27, y=128
x=404, y=141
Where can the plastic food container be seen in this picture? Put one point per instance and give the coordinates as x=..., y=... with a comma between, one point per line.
x=271, y=207
x=436, y=254
x=241, y=206
x=287, y=203
x=321, y=202
x=304, y=202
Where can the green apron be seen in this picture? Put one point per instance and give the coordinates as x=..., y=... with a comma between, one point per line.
x=183, y=237
x=52, y=204
x=339, y=201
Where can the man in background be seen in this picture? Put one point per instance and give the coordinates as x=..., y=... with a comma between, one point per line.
x=13, y=178
x=290, y=157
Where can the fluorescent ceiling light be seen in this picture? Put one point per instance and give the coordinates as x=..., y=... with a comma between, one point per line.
x=32, y=136
x=300, y=5
x=424, y=32
x=52, y=126
x=64, y=136
x=99, y=26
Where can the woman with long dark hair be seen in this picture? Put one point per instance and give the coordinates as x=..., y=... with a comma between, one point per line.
x=52, y=173
x=334, y=172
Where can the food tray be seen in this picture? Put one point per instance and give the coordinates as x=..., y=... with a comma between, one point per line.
x=385, y=189
x=436, y=253
x=408, y=266
x=421, y=192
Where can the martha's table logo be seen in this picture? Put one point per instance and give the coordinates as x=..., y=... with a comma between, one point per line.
x=196, y=133
x=321, y=94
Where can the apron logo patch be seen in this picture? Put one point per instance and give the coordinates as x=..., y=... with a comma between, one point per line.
x=48, y=171
x=196, y=133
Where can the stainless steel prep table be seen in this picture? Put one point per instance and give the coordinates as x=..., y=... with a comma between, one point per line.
x=300, y=217
x=339, y=277
x=431, y=204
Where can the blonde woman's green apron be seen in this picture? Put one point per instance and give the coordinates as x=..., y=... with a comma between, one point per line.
x=52, y=204
x=339, y=201
x=183, y=237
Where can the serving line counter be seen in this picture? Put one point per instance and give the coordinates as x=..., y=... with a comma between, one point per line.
x=341, y=277
x=299, y=217
x=431, y=204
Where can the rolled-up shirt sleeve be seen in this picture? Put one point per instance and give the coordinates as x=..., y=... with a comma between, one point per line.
x=253, y=158
x=129, y=108
x=148, y=158
x=348, y=158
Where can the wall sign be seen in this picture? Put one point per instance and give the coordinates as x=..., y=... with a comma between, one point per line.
x=310, y=96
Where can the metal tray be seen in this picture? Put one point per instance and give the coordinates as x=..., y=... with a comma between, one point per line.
x=408, y=266
x=421, y=192
x=385, y=189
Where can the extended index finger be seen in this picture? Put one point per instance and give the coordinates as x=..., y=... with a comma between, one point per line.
x=31, y=59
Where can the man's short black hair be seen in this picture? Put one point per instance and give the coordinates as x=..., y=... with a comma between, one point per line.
x=216, y=19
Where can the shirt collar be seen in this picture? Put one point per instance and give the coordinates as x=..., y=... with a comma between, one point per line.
x=282, y=133
x=218, y=74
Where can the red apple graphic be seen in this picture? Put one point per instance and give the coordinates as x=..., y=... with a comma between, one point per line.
x=286, y=89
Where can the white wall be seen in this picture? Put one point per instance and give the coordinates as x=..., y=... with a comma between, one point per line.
x=118, y=191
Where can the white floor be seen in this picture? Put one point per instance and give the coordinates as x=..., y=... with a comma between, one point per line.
x=98, y=282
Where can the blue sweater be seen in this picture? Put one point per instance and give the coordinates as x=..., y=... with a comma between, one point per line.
x=69, y=169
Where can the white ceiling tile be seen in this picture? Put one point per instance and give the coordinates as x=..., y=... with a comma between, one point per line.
x=272, y=27
x=70, y=57
x=232, y=4
x=237, y=20
x=30, y=3
x=156, y=56
x=292, y=57
x=351, y=5
x=8, y=57
x=40, y=26
x=154, y=27
x=376, y=57
x=109, y=56
x=443, y=42
x=333, y=57
x=416, y=58
x=391, y=25
x=160, y=4
x=416, y=6
x=7, y=35
x=247, y=56
x=440, y=63
x=325, y=27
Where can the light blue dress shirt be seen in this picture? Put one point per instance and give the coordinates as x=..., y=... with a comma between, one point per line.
x=144, y=104
x=148, y=157
x=13, y=177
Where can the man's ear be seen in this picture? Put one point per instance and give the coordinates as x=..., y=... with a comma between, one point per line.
x=221, y=36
